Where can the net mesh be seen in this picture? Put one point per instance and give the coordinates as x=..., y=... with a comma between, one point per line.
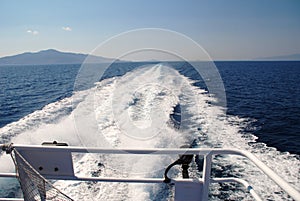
x=34, y=186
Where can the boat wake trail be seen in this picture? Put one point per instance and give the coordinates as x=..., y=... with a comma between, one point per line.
x=133, y=111
x=153, y=106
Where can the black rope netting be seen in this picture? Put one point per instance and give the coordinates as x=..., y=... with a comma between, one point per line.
x=34, y=186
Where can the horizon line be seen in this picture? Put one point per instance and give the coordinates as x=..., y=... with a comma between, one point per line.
x=269, y=58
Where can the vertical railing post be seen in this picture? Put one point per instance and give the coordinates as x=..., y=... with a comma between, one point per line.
x=206, y=175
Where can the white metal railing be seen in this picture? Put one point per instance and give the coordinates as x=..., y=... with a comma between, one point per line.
x=205, y=181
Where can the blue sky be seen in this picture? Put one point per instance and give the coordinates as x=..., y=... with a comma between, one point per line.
x=226, y=29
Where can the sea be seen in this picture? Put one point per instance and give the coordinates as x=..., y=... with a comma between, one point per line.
x=156, y=105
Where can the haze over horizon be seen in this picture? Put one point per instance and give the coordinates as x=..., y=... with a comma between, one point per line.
x=227, y=30
x=53, y=56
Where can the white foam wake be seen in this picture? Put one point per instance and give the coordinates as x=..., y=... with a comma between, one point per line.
x=133, y=112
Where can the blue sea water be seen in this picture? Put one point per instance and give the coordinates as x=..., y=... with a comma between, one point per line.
x=263, y=98
x=267, y=93
x=25, y=89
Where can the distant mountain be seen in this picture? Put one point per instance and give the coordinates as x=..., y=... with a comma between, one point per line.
x=290, y=57
x=50, y=56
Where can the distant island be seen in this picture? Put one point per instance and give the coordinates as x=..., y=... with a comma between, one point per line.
x=51, y=56
x=290, y=57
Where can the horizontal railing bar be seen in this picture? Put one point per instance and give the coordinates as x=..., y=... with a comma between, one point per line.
x=11, y=199
x=109, y=179
x=139, y=180
x=144, y=180
x=8, y=175
x=98, y=179
x=155, y=151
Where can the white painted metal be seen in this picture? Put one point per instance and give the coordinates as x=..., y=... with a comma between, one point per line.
x=206, y=175
x=48, y=162
x=54, y=151
x=188, y=190
x=9, y=175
